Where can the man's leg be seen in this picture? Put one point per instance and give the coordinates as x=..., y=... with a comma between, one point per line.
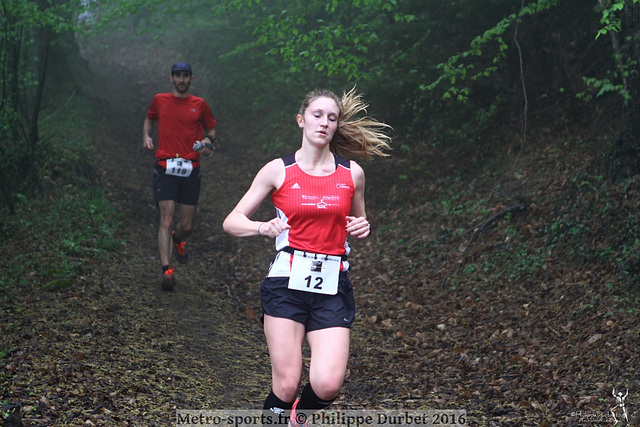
x=184, y=228
x=167, y=212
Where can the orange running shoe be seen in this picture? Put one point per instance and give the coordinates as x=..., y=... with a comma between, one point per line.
x=181, y=249
x=168, y=282
x=297, y=420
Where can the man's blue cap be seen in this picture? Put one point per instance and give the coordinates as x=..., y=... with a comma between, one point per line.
x=181, y=66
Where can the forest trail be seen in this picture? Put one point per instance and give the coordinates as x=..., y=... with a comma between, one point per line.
x=114, y=349
x=204, y=315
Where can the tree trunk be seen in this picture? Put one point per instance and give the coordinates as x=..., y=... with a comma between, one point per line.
x=625, y=156
x=633, y=15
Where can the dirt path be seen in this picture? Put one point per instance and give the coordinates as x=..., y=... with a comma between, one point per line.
x=115, y=350
x=206, y=315
x=203, y=343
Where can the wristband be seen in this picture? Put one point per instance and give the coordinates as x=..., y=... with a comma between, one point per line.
x=212, y=139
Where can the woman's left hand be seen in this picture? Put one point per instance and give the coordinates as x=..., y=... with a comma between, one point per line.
x=358, y=227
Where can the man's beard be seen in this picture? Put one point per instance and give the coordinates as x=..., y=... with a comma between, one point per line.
x=184, y=89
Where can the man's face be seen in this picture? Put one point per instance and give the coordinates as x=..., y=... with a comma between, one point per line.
x=181, y=81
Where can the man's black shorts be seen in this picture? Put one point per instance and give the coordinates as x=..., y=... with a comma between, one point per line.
x=181, y=190
x=315, y=311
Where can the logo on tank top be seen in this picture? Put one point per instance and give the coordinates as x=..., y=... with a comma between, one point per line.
x=309, y=200
x=342, y=186
x=321, y=203
x=295, y=186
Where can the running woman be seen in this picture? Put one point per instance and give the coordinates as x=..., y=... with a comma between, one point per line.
x=319, y=199
x=183, y=119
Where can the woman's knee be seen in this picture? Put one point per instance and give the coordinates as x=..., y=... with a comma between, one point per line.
x=327, y=388
x=286, y=381
x=287, y=390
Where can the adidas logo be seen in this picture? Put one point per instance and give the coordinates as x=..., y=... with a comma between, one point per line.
x=276, y=410
x=295, y=186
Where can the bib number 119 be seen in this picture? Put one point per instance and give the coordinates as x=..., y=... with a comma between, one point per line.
x=179, y=167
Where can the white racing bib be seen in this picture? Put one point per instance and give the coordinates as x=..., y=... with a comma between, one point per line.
x=315, y=273
x=179, y=167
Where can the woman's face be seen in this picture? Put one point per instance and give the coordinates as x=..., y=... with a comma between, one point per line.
x=320, y=121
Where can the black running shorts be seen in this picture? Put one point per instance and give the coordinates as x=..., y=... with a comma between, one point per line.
x=181, y=190
x=315, y=311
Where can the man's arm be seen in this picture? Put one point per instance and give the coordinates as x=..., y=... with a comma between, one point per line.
x=212, y=133
x=147, y=128
x=208, y=140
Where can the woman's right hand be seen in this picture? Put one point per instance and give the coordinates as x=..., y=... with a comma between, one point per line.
x=272, y=228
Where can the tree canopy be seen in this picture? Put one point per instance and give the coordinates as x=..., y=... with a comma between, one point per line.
x=437, y=71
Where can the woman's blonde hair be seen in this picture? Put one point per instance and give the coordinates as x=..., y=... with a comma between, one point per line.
x=356, y=136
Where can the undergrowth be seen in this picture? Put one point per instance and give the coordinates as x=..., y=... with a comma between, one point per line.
x=53, y=234
x=575, y=221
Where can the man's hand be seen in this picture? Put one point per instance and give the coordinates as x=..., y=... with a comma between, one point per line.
x=204, y=148
x=208, y=149
x=147, y=142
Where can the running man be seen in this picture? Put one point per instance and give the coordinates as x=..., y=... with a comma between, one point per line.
x=183, y=120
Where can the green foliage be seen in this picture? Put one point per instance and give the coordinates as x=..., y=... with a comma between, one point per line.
x=28, y=29
x=515, y=262
x=333, y=39
x=288, y=48
x=410, y=58
x=589, y=225
x=57, y=237
x=615, y=81
x=57, y=284
x=50, y=239
x=610, y=19
x=460, y=68
x=23, y=16
x=603, y=87
x=105, y=16
x=598, y=223
x=448, y=70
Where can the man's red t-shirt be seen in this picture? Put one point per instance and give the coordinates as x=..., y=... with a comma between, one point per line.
x=181, y=122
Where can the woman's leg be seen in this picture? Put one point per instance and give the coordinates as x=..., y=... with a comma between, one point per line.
x=284, y=339
x=329, y=357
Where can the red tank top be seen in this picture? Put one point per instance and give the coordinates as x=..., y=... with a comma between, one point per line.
x=315, y=207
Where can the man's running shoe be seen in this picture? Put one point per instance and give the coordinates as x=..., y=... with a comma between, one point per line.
x=181, y=249
x=297, y=420
x=168, y=282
